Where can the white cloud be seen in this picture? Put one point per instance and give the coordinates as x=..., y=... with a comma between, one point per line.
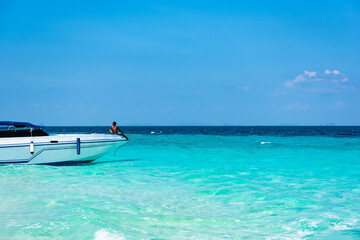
x=299, y=78
x=336, y=72
x=322, y=82
x=310, y=74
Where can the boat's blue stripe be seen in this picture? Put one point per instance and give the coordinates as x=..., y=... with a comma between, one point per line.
x=19, y=160
x=59, y=143
x=13, y=162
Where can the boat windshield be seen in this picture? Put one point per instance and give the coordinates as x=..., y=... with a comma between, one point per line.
x=7, y=131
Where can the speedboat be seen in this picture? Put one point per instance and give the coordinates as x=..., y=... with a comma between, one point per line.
x=23, y=142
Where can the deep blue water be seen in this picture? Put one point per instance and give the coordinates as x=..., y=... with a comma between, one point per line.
x=285, y=131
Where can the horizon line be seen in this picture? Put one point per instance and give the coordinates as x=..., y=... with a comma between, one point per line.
x=290, y=125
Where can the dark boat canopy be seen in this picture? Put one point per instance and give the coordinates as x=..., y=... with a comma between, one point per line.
x=19, y=124
x=20, y=129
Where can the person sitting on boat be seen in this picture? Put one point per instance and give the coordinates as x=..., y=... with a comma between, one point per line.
x=114, y=130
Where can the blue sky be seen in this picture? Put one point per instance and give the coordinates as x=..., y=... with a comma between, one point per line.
x=180, y=62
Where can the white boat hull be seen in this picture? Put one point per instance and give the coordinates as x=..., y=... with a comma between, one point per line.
x=58, y=149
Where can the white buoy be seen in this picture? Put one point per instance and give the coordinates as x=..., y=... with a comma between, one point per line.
x=32, y=147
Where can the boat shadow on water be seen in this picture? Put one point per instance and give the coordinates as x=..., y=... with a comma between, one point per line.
x=89, y=163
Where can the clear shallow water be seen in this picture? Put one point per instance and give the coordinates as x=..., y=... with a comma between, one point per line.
x=174, y=186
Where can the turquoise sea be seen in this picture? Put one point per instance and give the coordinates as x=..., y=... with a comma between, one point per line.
x=192, y=185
